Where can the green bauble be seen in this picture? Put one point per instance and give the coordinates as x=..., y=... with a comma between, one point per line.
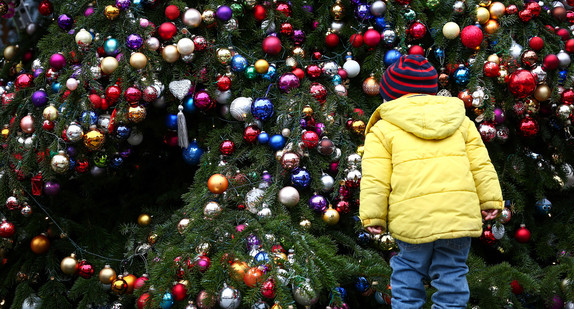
x=431, y=4
x=250, y=3
x=250, y=72
x=237, y=9
x=101, y=160
x=410, y=15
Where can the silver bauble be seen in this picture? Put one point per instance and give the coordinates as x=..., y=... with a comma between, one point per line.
x=327, y=182
x=97, y=171
x=29, y=142
x=104, y=121
x=117, y=305
x=142, y=249
x=190, y=305
x=222, y=97
x=569, y=305
x=563, y=112
x=268, y=26
x=264, y=213
x=354, y=176
x=96, y=72
x=74, y=132
x=240, y=108
x=229, y=298
x=569, y=171
x=212, y=209
x=32, y=302
x=389, y=36
x=539, y=74
x=336, y=155
x=188, y=58
x=135, y=138
x=563, y=58
x=352, y=68
x=459, y=7
x=354, y=160
x=515, y=50
x=304, y=294
x=253, y=199
x=498, y=231
x=192, y=18
x=36, y=64
x=60, y=163
x=285, y=132
x=224, y=111
x=260, y=305
x=31, y=28
x=289, y=196
x=337, y=26
x=231, y=25
x=282, y=277
x=378, y=8
x=340, y=90
x=330, y=68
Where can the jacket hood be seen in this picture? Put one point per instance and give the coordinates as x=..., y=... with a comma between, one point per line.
x=425, y=116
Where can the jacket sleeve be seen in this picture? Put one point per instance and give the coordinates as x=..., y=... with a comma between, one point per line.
x=376, y=181
x=485, y=177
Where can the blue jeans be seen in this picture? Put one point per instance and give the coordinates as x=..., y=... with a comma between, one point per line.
x=443, y=262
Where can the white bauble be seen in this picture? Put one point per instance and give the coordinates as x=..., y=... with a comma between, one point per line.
x=240, y=108
x=352, y=67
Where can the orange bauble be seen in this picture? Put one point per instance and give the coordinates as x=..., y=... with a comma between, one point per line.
x=237, y=270
x=40, y=244
x=217, y=183
x=131, y=281
x=253, y=277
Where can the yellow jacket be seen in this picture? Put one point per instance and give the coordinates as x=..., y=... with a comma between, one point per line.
x=426, y=171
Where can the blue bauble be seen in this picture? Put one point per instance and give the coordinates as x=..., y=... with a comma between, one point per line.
x=341, y=291
x=166, y=301
x=439, y=53
x=263, y=137
x=380, y=22
x=562, y=75
x=192, y=154
x=300, y=178
x=277, y=142
x=238, y=63
x=261, y=258
x=391, y=56
x=363, y=238
x=88, y=119
x=123, y=132
x=271, y=73
x=171, y=121
x=318, y=203
x=461, y=76
x=188, y=106
x=116, y=162
x=73, y=163
x=543, y=207
x=262, y=109
x=111, y=47
x=363, y=12
x=56, y=87
x=362, y=285
x=337, y=80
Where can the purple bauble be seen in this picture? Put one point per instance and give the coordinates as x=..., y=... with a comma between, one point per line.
x=320, y=128
x=308, y=8
x=557, y=303
x=39, y=98
x=202, y=100
x=89, y=11
x=267, y=177
x=65, y=22
x=134, y=41
x=357, y=2
x=318, y=203
x=51, y=188
x=123, y=4
x=298, y=36
x=288, y=81
x=363, y=12
x=252, y=242
x=125, y=153
x=71, y=151
x=224, y=13
x=499, y=115
x=57, y=61
x=77, y=71
x=38, y=72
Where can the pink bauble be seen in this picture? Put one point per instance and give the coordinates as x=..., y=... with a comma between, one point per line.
x=372, y=38
x=27, y=124
x=287, y=82
x=202, y=100
x=57, y=61
x=271, y=45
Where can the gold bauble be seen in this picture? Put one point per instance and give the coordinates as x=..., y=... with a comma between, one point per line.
x=119, y=286
x=451, y=30
x=10, y=51
x=60, y=163
x=170, y=53
x=261, y=66
x=291, y=62
x=69, y=265
x=497, y=10
x=305, y=224
x=371, y=86
x=331, y=216
x=358, y=126
x=224, y=55
x=136, y=113
x=138, y=61
x=182, y=225
x=217, y=184
x=276, y=306
x=493, y=58
x=298, y=51
x=144, y=220
x=542, y=92
x=19, y=67
x=491, y=26
x=94, y=139
x=482, y=15
x=484, y=2
x=130, y=281
x=308, y=111
x=40, y=244
x=111, y=12
x=208, y=17
x=107, y=275
x=5, y=131
x=50, y=112
x=338, y=11
x=237, y=270
x=109, y=65
x=152, y=239
x=361, y=150
x=532, y=106
x=502, y=75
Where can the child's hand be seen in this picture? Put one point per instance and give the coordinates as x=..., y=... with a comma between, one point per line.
x=377, y=229
x=489, y=214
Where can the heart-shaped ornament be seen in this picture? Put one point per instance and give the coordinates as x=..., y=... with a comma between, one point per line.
x=179, y=88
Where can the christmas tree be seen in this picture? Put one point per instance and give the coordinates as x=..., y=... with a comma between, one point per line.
x=256, y=111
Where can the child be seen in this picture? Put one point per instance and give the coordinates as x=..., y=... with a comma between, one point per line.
x=427, y=178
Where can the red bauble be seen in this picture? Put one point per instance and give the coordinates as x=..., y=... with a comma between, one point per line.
x=113, y=94
x=525, y=15
x=564, y=34
x=471, y=36
x=7, y=229
x=342, y=73
x=48, y=125
x=332, y=40
x=310, y=139
x=251, y=133
x=534, y=7
x=528, y=127
x=417, y=30
x=200, y=43
x=85, y=270
x=284, y=8
x=252, y=277
x=551, y=62
x=491, y=69
x=96, y=100
x=105, y=104
x=313, y=71
x=299, y=73
x=372, y=37
x=559, y=13
x=172, y=12
x=46, y=8
x=268, y=288
x=140, y=282
x=343, y=207
x=521, y=83
x=271, y=45
x=259, y=13
x=522, y=234
x=317, y=55
x=167, y=30
x=516, y=288
x=416, y=50
x=570, y=17
x=536, y=43
x=567, y=97
x=227, y=147
x=143, y=300
x=319, y=92
x=570, y=46
x=511, y=9
x=277, y=249
x=179, y=292
x=133, y=95
x=286, y=29
x=487, y=237
x=24, y=81
x=223, y=83
x=356, y=40
x=81, y=166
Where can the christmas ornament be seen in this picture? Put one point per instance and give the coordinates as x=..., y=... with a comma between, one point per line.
x=170, y=54
x=60, y=163
x=179, y=292
x=40, y=244
x=166, y=301
x=522, y=234
x=471, y=36
x=229, y=298
x=237, y=270
x=251, y=133
x=144, y=220
x=304, y=294
x=371, y=37
x=253, y=277
x=217, y=184
x=288, y=81
x=45, y=8
x=487, y=236
x=85, y=269
x=143, y=300
x=111, y=12
x=371, y=86
x=300, y=178
x=331, y=216
x=417, y=30
x=357, y=40
x=543, y=207
x=318, y=203
x=109, y=65
x=212, y=209
x=271, y=45
x=107, y=275
x=205, y=300
x=69, y=265
x=65, y=22
x=7, y=229
x=27, y=124
x=289, y=160
x=352, y=68
x=451, y=30
x=461, y=75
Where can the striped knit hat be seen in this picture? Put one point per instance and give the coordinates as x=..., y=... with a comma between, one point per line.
x=409, y=74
